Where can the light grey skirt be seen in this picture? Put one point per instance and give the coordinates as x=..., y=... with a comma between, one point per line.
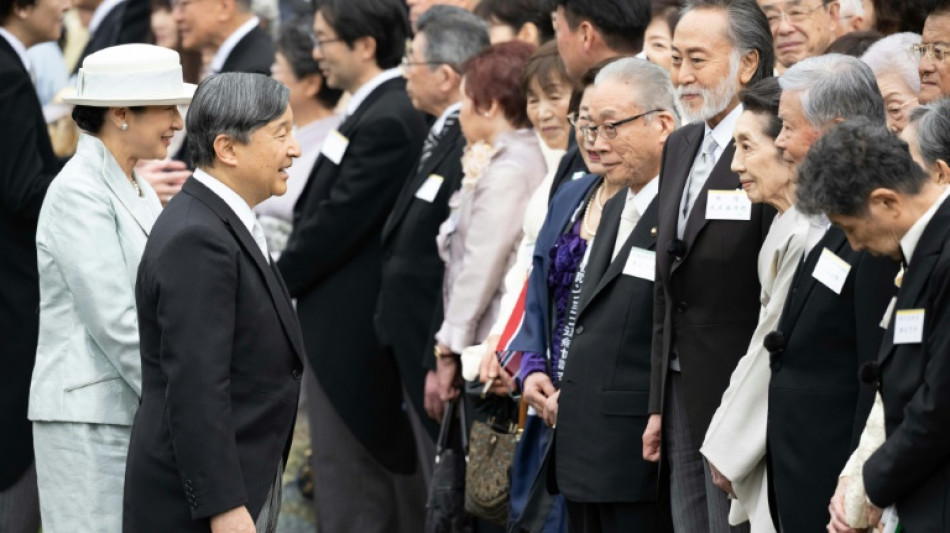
x=80, y=471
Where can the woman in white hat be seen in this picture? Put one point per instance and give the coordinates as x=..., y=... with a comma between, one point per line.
x=92, y=229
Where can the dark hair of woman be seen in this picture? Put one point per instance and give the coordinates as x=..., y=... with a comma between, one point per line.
x=91, y=119
x=495, y=74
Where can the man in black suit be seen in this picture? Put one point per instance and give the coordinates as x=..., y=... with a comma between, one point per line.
x=222, y=354
x=865, y=181
x=27, y=165
x=412, y=269
x=601, y=415
x=588, y=32
x=333, y=266
x=230, y=30
x=817, y=406
x=707, y=289
x=114, y=22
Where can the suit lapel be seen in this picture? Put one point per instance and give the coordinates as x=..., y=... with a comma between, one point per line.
x=118, y=183
x=642, y=236
x=721, y=178
x=599, y=260
x=672, y=183
x=833, y=240
x=279, y=294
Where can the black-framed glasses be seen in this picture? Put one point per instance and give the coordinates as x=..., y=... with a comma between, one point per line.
x=935, y=51
x=795, y=15
x=608, y=129
x=320, y=43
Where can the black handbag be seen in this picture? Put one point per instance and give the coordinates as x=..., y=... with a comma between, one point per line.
x=445, y=508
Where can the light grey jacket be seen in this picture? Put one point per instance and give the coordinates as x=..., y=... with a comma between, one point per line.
x=89, y=240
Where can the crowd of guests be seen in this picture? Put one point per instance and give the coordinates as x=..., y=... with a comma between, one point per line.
x=382, y=217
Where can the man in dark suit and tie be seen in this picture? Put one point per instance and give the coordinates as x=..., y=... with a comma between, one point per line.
x=864, y=179
x=230, y=30
x=588, y=32
x=333, y=266
x=830, y=325
x=412, y=269
x=114, y=22
x=222, y=354
x=601, y=415
x=27, y=165
x=707, y=289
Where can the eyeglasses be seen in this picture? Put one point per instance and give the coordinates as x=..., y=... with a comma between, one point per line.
x=934, y=51
x=408, y=62
x=316, y=43
x=609, y=129
x=796, y=15
x=897, y=112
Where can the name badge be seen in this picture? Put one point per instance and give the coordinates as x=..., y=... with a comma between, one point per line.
x=578, y=175
x=334, y=146
x=430, y=188
x=909, y=326
x=728, y=205
x=641, y=264
x=831, y=271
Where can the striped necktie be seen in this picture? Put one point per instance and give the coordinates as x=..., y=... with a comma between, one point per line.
x=433, y=139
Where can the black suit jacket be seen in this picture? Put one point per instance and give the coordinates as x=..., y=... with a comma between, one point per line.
x=333, y=266
x=413, y=270
x=571, y=163
x=911, y=468
x=254, y=53
x=27, y=165
x=817, y=406
x=222, y=359
x=602, y=409
x=128, y=22
x=706, y=302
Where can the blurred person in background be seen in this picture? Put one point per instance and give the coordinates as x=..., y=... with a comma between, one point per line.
x=27, y=166
x=418, y=7
x=800, y=28
x=113, y=22
x=932, y=54
x=365, y=466
x=853, y=44
x=523, y=20
x=894, y=64
x=928, y=138
x=229, y=31
x=659, y=33
x=854, y=16
x=93, y=226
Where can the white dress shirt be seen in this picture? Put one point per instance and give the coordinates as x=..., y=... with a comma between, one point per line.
x=364, y=91
x=439, y=123
x=722, y=134
x=217, y=62
x=912, y=237
x=237, y=204
x=641, y=201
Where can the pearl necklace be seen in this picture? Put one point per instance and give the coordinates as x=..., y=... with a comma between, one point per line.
x=586, y=219
x=135, y=185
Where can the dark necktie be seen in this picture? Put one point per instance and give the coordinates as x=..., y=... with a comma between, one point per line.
x=433, y=139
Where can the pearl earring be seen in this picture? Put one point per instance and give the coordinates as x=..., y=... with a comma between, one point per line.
x=487, y=115
x=124, y=126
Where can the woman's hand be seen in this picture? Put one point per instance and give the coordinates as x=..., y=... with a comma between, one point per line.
x=839, y=522
x=490, y=370
x=166, y=177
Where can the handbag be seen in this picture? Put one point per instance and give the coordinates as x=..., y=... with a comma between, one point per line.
x=491, y=449
x=445, y=506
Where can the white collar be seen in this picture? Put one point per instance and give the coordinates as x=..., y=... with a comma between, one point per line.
x=364, y=91
x=912, y=237
x=439, y=123
x=646, y=195
x=18, y=47
x=100, y=13
x=234, y=201
x=722, y=133
x=217, y=62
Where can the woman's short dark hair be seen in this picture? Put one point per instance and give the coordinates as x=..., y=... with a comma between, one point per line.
x=854, y=44
x=546, y=67
x=517, y=13
x=294, y=44
x=495, y=74
x=762, y=98
x=90, y=119
x=585, y=81
x=383, y=20
x=669, y=10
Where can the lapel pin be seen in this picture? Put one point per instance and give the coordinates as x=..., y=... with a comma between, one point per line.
x=653, y=231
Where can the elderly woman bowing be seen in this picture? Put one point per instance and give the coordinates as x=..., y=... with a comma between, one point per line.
x=92, y=229
x=735, y=440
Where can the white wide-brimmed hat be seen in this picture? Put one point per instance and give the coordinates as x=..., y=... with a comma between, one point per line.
x=130, y=75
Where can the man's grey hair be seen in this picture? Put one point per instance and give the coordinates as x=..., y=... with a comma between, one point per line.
x=235, y=104
x=453, y=35
x=892, y=54
x=653, y=88
x=748, y=30
x=835, y=86
x=933, y=131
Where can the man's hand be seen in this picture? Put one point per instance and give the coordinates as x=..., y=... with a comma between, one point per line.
x=839, y=522
x=447, y=369
x=720, y=480
x=490, y=370
x=549, y=414
x=237, y=520
x=651, y=439
x=430, y=400
x=537, y=388
x=166, y=177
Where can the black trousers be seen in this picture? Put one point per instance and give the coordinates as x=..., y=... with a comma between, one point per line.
x=624, y=517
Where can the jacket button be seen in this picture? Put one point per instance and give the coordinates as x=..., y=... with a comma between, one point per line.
x=681, y=307
x=579, y=330
x=296, y=373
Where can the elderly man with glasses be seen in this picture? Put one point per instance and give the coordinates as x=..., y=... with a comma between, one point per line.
x=800, y=28
x=932, y=52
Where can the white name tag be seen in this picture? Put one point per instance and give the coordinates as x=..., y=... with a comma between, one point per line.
x=831, y=271
x=430, y=188
x=641, y=264
x=909, y=326
x=728, y=205
x=334, y=146
x=578, y=175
